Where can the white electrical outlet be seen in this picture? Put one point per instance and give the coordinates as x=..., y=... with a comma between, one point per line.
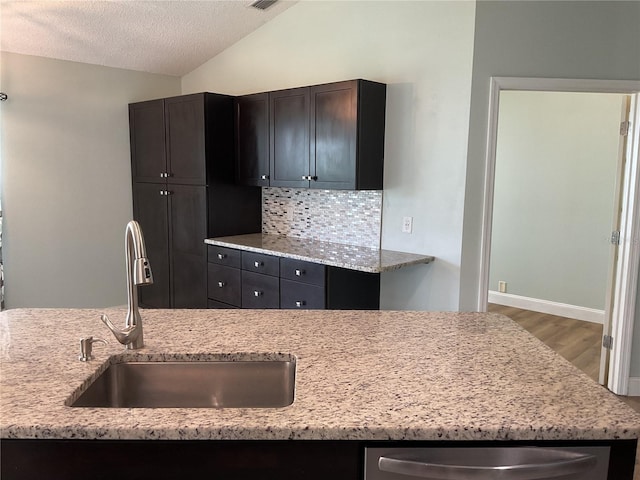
x=407, y=224
x=502, y=286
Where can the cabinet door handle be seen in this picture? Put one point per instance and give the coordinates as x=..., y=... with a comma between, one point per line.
x=221, y=284
x=300, y=303
x=257, y=293
x=222, y=256
x=299, y=273
x=306, y=177
x=166, y=192
x=264, y=177
x=257, y=264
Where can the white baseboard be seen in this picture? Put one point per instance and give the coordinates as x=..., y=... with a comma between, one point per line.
x=634, y=386
x=545, y=306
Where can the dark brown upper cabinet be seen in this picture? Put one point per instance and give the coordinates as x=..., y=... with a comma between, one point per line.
x=175, y=139
x=289, y=137
x=252, y=139
x=147, y=136
x=347, y=135
x=328, y=136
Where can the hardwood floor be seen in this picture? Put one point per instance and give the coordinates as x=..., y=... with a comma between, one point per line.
x=576, y=340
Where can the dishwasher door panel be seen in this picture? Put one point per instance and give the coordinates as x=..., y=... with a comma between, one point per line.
x=487, y=463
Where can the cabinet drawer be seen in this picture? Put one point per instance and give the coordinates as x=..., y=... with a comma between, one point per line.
x=224, y=284
x=260, y=263
x=223, y=256
x=215, y=304
x=260, y=291
x=301, y=295
x=300, y=271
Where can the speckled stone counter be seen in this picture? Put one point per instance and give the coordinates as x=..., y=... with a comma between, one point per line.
x=371, y=260
x=360, y=375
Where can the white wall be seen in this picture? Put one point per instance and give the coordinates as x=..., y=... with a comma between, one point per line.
x=556, y=163
x=66, y=178
x=423, y=52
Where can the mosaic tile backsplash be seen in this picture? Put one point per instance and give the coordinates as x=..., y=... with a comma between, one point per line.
x=339, y=216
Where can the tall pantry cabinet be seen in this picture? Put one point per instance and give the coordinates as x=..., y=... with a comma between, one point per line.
x=182, y=167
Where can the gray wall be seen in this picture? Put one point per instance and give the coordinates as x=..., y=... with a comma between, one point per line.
x=597, y=40
x=66, y=178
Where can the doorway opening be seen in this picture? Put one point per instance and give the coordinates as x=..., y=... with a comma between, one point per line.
x=616, y=269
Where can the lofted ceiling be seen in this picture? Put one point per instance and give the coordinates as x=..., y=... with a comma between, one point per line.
x=167, y=37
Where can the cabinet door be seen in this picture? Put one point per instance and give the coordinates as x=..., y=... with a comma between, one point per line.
x=147, y=137
x=185, y=139
x=289, y=137
x=150, y=209
x=334, y=135
x=252, y=139
x=188, y=252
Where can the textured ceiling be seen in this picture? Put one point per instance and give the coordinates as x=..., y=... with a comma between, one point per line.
x=169, y=37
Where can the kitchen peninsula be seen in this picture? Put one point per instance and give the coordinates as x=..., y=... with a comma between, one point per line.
x=362, y=378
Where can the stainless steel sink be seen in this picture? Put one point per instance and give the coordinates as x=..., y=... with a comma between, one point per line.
x=193, y=384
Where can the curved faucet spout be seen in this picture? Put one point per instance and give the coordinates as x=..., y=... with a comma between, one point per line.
x=138, y=273
x=127, y=335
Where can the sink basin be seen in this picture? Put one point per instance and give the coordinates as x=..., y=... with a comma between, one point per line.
x=265, y=383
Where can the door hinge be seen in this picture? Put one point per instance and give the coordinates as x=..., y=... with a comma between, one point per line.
x=624, y=128
x=607, y=342
x=615, y=237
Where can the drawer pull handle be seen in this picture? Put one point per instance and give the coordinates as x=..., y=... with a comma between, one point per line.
x=221, y=284
x=257, y=293
x=257, y=264
x=300, y=303
x=299, y=273
x=222, y=256
x=264, y=177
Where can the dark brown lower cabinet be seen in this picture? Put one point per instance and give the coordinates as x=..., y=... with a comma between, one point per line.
x=239, y=460
x=175, y=220
x=151, y=210
x=244, y=279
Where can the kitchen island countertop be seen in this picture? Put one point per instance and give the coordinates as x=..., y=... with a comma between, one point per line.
x=352, y=257
x=360, y=376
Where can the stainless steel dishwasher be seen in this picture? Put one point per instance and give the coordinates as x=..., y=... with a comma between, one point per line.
x=490, y=463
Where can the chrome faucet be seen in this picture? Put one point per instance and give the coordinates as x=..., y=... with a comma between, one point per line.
x=138, y=273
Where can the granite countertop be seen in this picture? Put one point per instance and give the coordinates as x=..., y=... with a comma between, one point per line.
x=374, y=375
x=364, y=259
